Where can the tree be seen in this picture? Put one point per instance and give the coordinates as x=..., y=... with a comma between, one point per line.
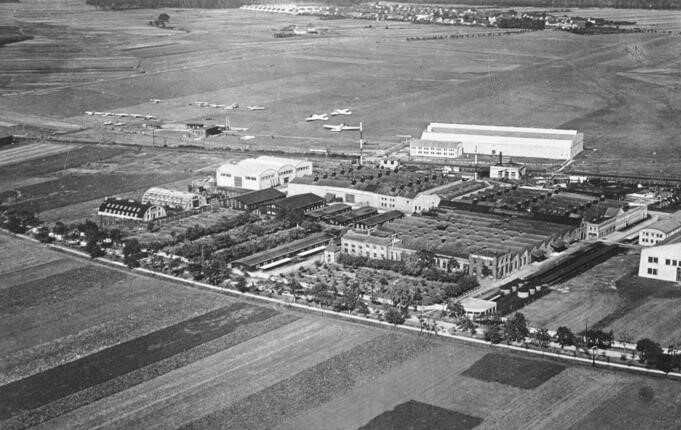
x=468, y=282
x=362, y=308
x=455, y=309
x=394, y=316
x=402, y=298
x=93, y=249
x=467, y=325
x=296, y=289
x=43, y=235
x=665, y=363
x=115, y=235
x=564, y=336
x=132, y=252
x=241, y=285
x=90, y=229
x=425, y=258
x=515, y=328
x=493, y=333
x=543, y=337
x=164, y=17
x=649, y=351
x=59, y=228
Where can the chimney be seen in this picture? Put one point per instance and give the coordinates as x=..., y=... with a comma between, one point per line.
x=501, y=158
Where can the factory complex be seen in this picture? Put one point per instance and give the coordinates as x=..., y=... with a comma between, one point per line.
x=261, y=172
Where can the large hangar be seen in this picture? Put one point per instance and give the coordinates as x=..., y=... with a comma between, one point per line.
x=491, y=140
x=261, y=172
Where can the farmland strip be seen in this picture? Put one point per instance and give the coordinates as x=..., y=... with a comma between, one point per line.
x=29, y=393
x=55, y=288
x=247, y=330
x=316, y=385
x=39, y=271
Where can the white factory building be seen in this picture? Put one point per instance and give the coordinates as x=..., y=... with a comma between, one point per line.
x=261, y=172
x=660, y=230
x=661, y=262
x=525, y=142
x=175, y=199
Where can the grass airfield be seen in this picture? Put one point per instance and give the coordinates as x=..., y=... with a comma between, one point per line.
x=621, y=90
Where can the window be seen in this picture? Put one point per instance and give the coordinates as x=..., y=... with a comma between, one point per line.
x=667, y=262
x=674, y=262
x=652, y=259
x=654, y=271
x=650, y=271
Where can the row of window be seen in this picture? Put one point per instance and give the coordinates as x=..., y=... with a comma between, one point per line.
x=645, y=233
x=652, y=271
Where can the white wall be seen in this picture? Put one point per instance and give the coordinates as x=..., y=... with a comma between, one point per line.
x=656, y=259
x=365, y=198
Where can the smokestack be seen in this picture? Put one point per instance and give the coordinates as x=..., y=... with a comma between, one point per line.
x=501, y=157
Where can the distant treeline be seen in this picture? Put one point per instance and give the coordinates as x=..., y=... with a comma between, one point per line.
x=156, y=4
x=620, y=4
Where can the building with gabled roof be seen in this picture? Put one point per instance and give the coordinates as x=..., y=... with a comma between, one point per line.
x=256, y=199
x=301, y=203
x=131, y=210
x=660, y=231
x=261, y=172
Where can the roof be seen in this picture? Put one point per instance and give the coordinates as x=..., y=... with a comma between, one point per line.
x=381, y=218
x=255, y=166
x=164, y=192
x=299, y=201
x=502, y=131
x=667, y=225
x=333, y=209
x=258, y=197
x=367, y=238
x=474, y=305
x=509, y=164
x=376, y=180
x=129, y=208
x=284, y=250
x=357, y=213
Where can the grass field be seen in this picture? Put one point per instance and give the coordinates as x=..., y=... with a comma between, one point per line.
x=121, y=351
x=620, y=90
x=611, y=296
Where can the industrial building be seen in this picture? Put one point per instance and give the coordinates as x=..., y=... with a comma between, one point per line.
x=507, y=170
x=661, y=230
x=662, y=262
x=174, y=199
x=261, y=172
x=298, y=203
x=377, y=220
x=479, y=243
x=283, y=254
x=609, y=219
x=256, y=199
x=408, y=192
x=129, y=210
x=452, y=140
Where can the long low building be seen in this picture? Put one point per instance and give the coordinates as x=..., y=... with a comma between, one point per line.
x=483, y=244
x=285, y=253
x=441, y=140
x=129, y=210
x=660, y=231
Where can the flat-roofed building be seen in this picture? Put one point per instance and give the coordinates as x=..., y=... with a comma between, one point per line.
x=662, y=262
x=475, y=308
x=301, y=248
x=261, y=172
x=523, y=142
x=660, y=231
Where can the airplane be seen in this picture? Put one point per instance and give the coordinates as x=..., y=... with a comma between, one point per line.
x=341, y=127
x=155, y=100
x=147, y=116
x=317, y=117
x=247, y=137
x=108, y=123
x=87, y=112
x=215, y=105
x=255, y=108
x=136, y=115
x=202, y=104
x=109, y=114
x=98, y=113
x=341, y=112
x=233, y=106
x=122, y=115
x=119, y=123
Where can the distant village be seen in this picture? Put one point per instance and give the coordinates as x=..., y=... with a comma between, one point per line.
x=434, y=14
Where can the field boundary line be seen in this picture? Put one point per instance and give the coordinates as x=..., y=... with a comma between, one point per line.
x=366, y=321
